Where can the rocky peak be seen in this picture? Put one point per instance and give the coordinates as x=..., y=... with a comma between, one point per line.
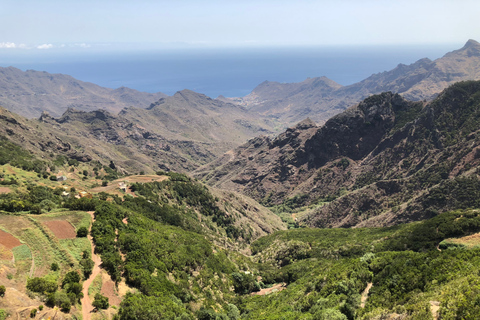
x=470, y=49
x=82, y=116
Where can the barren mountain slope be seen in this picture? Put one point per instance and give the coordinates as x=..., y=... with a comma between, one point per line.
x=31, y=92
x=382, y=162
x=188, y=115
x=321, y=98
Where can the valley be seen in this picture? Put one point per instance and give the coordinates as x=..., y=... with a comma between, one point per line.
x=299, y=201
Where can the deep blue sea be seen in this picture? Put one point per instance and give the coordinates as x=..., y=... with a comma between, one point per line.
x=228, y=72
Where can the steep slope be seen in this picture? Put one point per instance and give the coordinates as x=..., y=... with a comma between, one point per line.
x=102, y=136
x=321, y=98
x=188, y=115
x=382, y=162
x=32, y=92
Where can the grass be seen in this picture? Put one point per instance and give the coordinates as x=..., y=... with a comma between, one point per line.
x=75, y=247
x=23, y=259
x=22, y=252
x=96, y=286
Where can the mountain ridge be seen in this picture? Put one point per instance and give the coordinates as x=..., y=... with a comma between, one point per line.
x=421, y=80
x=29, y=93
x=377, y=163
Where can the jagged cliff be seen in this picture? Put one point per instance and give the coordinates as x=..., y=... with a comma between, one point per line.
x=377, y=163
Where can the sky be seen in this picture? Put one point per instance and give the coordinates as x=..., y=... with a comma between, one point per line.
x=130, y=25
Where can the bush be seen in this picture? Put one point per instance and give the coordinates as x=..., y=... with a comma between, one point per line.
x=82, y=232
x=54, y=266
x=33, y=313
x=100, y=302
x=71, y=277
x=41, y=285
x=2, y=291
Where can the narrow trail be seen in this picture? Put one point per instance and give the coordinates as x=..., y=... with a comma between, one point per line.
x=87, y=307
x=434, y=308
x=365, y=294
x=32, y=268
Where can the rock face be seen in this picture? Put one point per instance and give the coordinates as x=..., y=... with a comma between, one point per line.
x=101, y=136
x=31, y=92
x=321, y=98
x=382, y=162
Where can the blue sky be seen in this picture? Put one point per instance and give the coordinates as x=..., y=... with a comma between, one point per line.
x=103, y=24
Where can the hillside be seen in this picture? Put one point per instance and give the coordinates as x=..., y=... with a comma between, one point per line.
x=103, y=137
x=32, y=92
x=321, y=98
x=168, y=250
x=192, y=116
x=382, y=162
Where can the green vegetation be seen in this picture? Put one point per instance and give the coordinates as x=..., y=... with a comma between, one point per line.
x=100, y=302
x=19, y=157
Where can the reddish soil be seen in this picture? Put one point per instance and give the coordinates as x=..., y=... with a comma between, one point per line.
x=5, y=253
x=5, y=190
x=108, y=290
x=275, y=288
x=8, y=240
x=62, y=229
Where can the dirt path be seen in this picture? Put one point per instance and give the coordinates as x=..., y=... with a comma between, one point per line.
x=32, y=268
x=365, y=294
x=275, y=288
x=434, y=307
x=87, y=307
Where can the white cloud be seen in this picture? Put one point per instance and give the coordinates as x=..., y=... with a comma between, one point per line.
x=82, y=45
x=45, y=46
x=7, y=45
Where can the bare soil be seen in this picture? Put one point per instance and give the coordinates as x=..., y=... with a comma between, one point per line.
x=62, y=229
x=469, y=241
x=434, y=307
x=114, y=186
x=5, y=253
x=109, y=291
x=5, y=190
x=275, y=288
x=365, y=294
x=8, y=240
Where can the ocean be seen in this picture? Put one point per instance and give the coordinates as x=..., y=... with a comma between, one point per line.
x=228, y=72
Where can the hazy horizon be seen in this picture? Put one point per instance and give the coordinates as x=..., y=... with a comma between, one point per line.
x=127, y=25
x=230, y=72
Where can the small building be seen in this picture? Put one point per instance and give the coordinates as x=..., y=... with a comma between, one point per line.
x=61, y=178
x=122, y=186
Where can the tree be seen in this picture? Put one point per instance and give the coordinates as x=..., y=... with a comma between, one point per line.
x=54, y=266
x=232, y=312
x=33, y=313
x=100, y=302
x=82, y=232
x=71, y=277
x=2, y=291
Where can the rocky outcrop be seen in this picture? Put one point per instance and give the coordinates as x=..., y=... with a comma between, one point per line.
x=382, y=162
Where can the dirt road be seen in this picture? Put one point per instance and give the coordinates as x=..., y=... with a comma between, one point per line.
x=87, y=307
